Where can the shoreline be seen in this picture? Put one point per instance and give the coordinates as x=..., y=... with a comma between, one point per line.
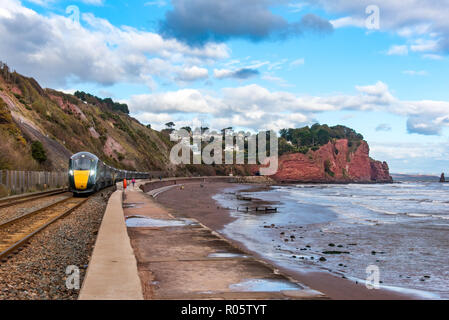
x=293, y=182
x=179, y=258
x=208, y=211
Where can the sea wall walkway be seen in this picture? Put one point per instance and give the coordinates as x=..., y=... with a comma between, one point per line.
x=144, y=252
x=112, y=272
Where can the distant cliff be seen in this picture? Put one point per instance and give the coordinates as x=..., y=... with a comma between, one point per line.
x=334, y=162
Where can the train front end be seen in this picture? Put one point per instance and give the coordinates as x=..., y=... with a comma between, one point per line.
x=83, y=173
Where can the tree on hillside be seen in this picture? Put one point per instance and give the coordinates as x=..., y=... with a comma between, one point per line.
x=303, y=137
x=285, y=147
x=170, y=125
x=169, y=128
x=5, y=71
x=204, y=129
x=108, y=102
x=317, y=135
x=188, y=129
x=80, y=95
x=38, y=152
x=322, y=137
x=284, y=134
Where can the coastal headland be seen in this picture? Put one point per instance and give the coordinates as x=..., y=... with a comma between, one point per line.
x=334, y=162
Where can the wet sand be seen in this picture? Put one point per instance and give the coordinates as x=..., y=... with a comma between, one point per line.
x=179, y=258
x=196, y=202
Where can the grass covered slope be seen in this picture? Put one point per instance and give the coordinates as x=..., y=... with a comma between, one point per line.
x=65, y=124
x=15, y=151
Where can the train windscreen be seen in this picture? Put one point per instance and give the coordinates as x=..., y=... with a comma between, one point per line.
x=82, y=164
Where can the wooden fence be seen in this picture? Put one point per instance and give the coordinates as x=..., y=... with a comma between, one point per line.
x=17, y=182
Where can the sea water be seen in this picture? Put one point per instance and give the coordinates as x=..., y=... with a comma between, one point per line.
x=401, y=228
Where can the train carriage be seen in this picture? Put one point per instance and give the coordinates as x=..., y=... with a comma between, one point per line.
x=88, y=174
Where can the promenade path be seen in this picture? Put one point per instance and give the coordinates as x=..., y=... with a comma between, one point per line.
x=175, y=258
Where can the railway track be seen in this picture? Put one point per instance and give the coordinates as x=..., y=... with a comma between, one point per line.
x=17, y=231
x=8, y=202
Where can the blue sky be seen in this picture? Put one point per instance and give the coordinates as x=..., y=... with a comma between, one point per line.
x=255, y=64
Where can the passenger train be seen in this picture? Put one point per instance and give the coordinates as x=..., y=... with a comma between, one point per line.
x=88, y=174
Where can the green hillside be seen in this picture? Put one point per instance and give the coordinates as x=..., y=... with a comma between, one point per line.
x=312, y=138
x=65, y=124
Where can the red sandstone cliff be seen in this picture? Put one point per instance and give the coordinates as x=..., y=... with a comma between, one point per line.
x=333, y=162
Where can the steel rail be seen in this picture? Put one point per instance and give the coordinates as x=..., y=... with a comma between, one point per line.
x=23, y=240
x=29, y=214
x=8, y=202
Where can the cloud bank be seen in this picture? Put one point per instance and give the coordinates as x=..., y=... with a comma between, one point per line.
x=258, y=108
x=422, y=23
x=57, y=50
x=200, y=21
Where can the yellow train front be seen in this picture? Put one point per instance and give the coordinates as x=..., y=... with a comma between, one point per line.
x=88, y=174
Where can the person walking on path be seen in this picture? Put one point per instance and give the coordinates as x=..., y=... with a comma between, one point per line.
x=134, y=182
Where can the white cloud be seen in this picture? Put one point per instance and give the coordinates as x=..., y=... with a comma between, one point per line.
x=242, y=74
x=159, y=3
x=47, y=2
x=348, y=22
x=399, y=151
x=415, y=73
x=408, y=18
x=94, y=2
x=256, y=107
x=383, y=127
x=276, y=65
x=222, y=73
x=278, y=80
x=155, y=118
x=297, y=6
x=54, y=49
x=244, y=70
x=41, y=2
x=192, y=74
x=181, y=101
x=414, y=30
x=257, y=64
x=297, y=62
x=250, y=106
x=398, y=50
x=424, y=45
x=431, y=56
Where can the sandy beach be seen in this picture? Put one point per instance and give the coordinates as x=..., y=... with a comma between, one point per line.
x=196, y=201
